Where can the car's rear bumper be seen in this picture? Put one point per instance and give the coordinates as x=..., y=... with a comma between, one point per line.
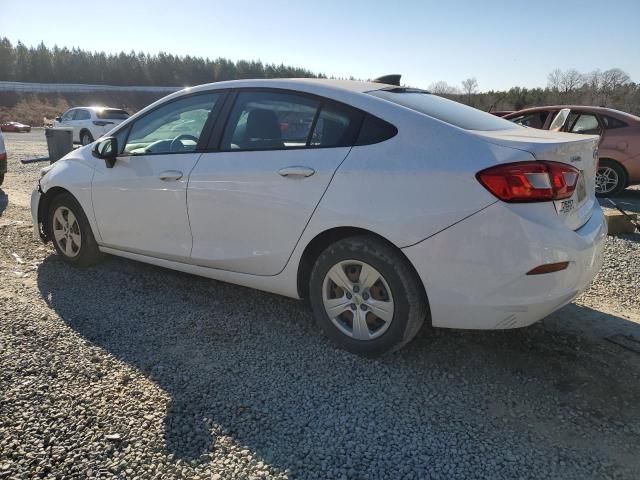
x=475, y=271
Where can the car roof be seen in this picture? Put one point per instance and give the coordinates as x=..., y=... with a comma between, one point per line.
x=292, y=83
x=588, y=108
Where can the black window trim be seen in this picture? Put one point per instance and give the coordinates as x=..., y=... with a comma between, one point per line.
x=213, y=118
x=215, y=139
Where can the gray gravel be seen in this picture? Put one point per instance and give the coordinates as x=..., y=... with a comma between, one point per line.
x=131, y=371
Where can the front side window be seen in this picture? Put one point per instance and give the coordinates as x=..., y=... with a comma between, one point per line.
x=68, y=115
x=172, y=128
x=82, y=115
x=583, y=123
x=269, y=121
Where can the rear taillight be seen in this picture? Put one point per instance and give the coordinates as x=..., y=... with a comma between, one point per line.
x=3, y=156
x=530, y=181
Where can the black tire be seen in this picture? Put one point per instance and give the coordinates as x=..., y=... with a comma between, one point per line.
x=621, y=174
x=85, y=137
x=410, y=302
x=88, y=253
x=1, y=178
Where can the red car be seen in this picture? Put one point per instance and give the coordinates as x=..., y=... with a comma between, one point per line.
x=15, y=127
x=619, y=150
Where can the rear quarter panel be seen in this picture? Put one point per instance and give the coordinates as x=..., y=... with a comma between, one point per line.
x=413, y=185
x=623, y=146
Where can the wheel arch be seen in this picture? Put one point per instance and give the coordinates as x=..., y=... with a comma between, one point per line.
x=43, y=208
x=84, y=130
x=322, y=240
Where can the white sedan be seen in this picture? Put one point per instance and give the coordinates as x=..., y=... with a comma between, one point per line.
x=386, y=207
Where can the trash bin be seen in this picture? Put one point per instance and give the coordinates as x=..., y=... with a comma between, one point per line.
x=59, y=142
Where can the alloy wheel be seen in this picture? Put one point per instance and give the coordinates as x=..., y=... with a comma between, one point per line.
x=358, y=300
x=606, y=180
x=66, y=231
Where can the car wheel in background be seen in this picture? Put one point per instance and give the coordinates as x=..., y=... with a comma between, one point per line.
x=611, y=178
x=70, y=231
x=86, y=138
x=366, y=296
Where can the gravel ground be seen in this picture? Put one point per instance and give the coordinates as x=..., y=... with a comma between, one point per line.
x=125, y=370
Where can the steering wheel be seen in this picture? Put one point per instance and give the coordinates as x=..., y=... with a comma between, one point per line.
x=177, y=145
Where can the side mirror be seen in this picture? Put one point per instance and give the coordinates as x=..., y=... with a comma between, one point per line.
x=106, y=149
x=58, y=119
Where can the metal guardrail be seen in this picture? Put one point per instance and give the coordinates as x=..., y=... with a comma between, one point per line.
x=27, y=87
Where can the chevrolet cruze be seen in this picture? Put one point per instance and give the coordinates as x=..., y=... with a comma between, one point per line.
x=385, y=207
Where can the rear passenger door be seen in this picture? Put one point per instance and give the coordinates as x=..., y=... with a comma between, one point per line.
x=251, y=195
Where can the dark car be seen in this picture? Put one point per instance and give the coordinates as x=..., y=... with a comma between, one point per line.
x=15, y=127
x=619, y=150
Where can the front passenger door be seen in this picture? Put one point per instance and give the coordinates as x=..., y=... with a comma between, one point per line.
x=141, y=203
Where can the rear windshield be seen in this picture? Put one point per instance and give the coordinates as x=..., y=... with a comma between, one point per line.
x=448, y=111
x=112, y=114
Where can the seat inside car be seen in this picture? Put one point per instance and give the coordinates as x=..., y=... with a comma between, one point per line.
x=262, y=130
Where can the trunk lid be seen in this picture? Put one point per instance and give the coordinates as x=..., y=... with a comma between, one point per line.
x=579, y=151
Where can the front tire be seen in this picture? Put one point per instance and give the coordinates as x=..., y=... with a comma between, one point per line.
x=611, y=178
x=366, y=297
x=70, y=232
x=86, y=138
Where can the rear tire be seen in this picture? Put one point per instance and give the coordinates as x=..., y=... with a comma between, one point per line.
x=377, y=303
x=611, y=178
x=70, y=232
x=1, y=178
x=86, y=138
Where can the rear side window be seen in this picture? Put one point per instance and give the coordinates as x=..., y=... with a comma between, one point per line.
x=336, y=126
x=583, y=123
x=375, y=130
x=445, y=110
x=611, y=123
x=112, y=114
x=269, y=121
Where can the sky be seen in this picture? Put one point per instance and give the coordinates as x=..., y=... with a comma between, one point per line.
x=501, y=43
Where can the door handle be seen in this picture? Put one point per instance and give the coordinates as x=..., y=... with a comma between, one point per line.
x=170, y=175
x=293, y=172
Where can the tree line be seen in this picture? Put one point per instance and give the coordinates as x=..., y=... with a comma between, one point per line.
x=611, y=88
x=41, y=64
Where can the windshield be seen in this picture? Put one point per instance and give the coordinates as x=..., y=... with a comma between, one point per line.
x=448, y=111
x=112, y=114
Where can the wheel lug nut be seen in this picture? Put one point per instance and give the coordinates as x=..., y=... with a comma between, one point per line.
x=352, y=306
x=356, y=288
x=363, y=307
x=349, y=295
x=365, y=296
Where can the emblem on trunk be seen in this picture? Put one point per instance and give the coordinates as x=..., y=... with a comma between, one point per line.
x=575, y=159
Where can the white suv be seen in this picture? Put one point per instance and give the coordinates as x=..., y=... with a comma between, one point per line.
x=90, y=123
